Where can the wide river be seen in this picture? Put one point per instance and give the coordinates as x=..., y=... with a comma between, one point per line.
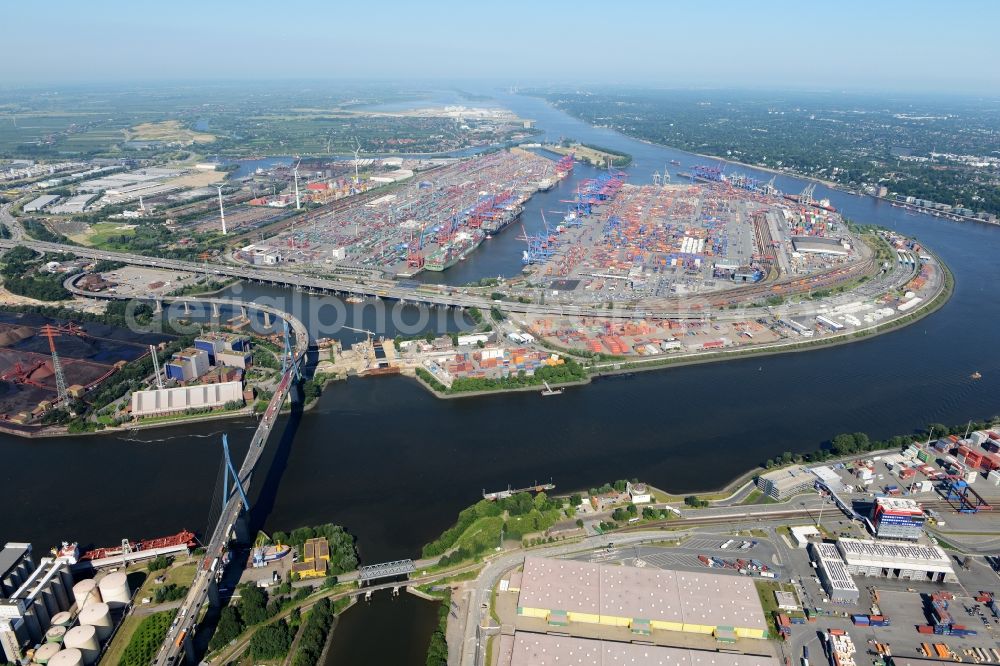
x=394, y=465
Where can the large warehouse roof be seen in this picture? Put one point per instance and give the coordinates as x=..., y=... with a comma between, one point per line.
x=893, y=555
x=158, y=401
x=650, y=594
x=833, y=564
x=819, y=244
x=529, y=649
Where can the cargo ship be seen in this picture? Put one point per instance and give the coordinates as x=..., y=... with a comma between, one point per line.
x=127, y=550
x=183, y=538
x=564, y=166
x=823, y=204
x=510, y=213
x=454, y=250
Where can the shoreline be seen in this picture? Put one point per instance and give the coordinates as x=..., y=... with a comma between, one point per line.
x=627, y=366
x=778, y=172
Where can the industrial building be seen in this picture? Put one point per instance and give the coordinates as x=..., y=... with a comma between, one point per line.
x=234, y=359
x=215, y=343
x=638, y=493
x=820, y=245
x=563, y=592
x=890, y=560
x=187, y=364
x=897, y=518
x=39, y=203
x=833, y=573
x=786, y=482
x=15, y=567
x=531, y=649
x=31, y=598
x=315, y=559
x=73, y=205
x=161, y=402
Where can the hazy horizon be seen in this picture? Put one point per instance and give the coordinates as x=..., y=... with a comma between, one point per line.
x=916, y=47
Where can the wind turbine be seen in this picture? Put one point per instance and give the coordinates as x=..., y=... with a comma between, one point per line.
x=222, y=212
x=298, y=202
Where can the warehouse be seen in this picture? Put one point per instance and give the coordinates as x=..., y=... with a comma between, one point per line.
x=833, y=574
x=564, y=591
x=820, y=245
x=787, y=482
x=39, y=203
x=159, y=402
x=73, y=205
x=896, y=560
x=531, y=649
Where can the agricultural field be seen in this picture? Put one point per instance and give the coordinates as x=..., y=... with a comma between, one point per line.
x=170, y=131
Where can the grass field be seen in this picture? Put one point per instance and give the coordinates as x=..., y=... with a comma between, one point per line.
x=169, y=131
x=99, y=233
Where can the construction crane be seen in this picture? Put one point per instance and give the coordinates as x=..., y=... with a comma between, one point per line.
x=51, y=332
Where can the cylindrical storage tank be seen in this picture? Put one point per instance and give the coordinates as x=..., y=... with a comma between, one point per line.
x=69, y=657
x=84, y=639
x=63, y=619
x=55, y=634
x=114, y=589
x=99, y=617
x=46, y=652
x=86, y=592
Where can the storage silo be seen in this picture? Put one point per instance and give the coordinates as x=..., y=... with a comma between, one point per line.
x=86, y=592
x=84, y=639
x=99, y=617
x=63, y=619
x=46, y=652
x=114, y=589
x=69, y=657
x=55, y=634
x=59, y=589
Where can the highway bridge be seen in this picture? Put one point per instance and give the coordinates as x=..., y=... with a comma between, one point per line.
x=665, y=308
x=203, y=588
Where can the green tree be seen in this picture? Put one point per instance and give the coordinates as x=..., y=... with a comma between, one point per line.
x=229, y=627
x=271, y=641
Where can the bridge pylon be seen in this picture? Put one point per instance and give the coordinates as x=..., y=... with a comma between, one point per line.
x=231, y=474
x=287, y=354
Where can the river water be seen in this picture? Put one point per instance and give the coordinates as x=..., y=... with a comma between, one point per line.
x=394, y=465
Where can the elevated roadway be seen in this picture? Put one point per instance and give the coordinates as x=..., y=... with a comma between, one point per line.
x=692, y=308
x=203, y=588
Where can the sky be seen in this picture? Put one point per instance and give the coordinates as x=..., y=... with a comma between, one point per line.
x=915, y=46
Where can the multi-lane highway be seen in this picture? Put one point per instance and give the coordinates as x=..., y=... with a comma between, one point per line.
x=663, y=308
x=188, y=614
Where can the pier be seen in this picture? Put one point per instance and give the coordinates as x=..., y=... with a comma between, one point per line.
x=503, y=494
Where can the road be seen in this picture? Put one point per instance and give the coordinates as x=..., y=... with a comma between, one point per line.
x=190, y=608
x=480, y=591
x=12, y=223
x=656, y=309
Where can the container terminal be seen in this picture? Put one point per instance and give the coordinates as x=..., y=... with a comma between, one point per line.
x=429, y=224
